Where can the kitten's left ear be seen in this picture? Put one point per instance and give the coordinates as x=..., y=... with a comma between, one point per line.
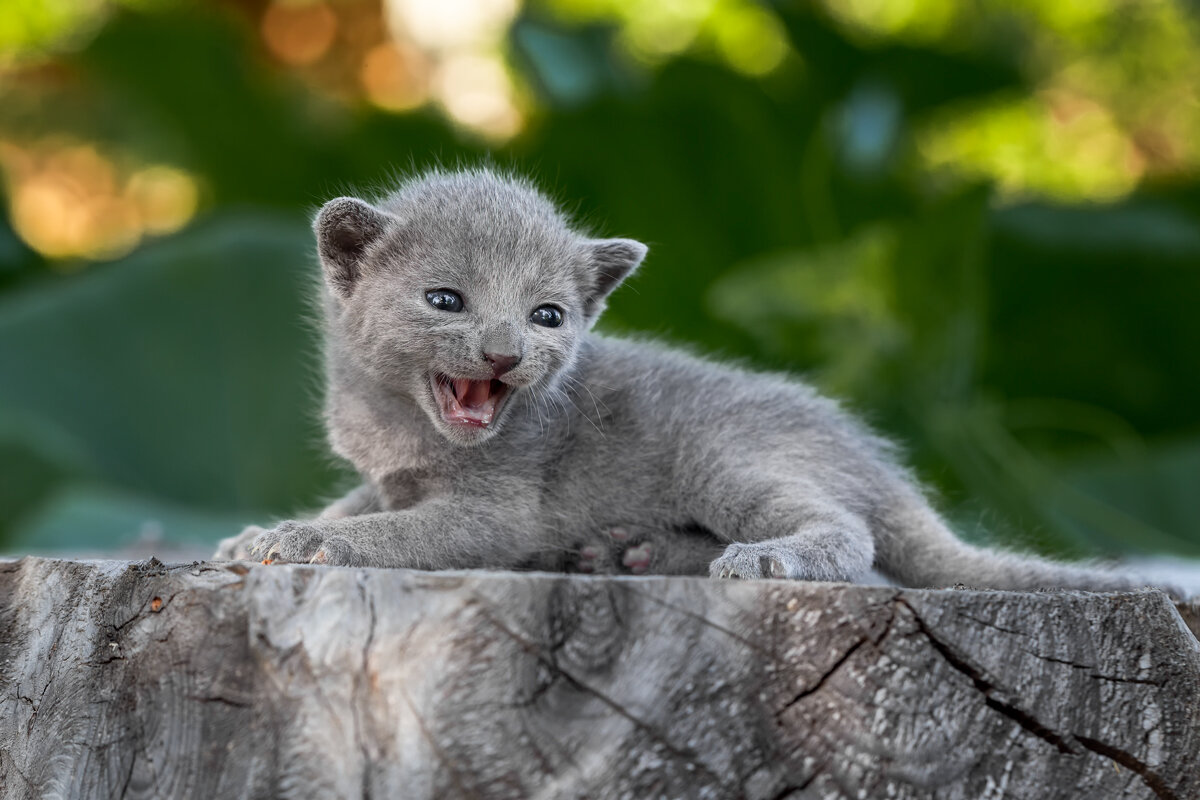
x=611, y=261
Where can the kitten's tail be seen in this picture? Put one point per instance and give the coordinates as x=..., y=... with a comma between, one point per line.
x=918, y=550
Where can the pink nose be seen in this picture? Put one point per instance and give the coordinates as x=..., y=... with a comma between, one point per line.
x=501, y=363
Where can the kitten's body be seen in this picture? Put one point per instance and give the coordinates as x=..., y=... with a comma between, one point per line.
x=691, y=461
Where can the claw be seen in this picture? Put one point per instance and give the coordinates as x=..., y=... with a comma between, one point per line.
x=771, y=567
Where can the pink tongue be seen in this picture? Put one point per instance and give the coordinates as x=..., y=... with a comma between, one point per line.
x=478, y=393
x=473, y=402
x=472, y=394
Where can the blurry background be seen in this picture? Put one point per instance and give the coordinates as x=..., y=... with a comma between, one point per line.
x=977, y=221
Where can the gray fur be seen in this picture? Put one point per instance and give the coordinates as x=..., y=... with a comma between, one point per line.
x=626, y=451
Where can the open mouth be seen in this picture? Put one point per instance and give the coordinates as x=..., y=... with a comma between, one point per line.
x=467, y=402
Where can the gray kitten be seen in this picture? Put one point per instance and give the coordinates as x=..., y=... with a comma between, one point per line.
x=493, y=429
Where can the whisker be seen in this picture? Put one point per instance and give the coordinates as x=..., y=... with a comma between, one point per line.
x=595, y=404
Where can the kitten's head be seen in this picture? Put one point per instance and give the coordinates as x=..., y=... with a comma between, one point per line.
x=462, y=290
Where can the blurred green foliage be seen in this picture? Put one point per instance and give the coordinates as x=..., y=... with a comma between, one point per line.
x=1037, y=356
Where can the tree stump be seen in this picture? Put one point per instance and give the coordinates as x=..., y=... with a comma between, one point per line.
x=240, y=680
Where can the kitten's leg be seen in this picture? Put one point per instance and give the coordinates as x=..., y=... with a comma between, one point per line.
x=787, y=529
x=445, y=532
x=362, y=500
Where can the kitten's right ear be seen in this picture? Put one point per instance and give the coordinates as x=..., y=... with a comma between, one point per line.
x=345, y=228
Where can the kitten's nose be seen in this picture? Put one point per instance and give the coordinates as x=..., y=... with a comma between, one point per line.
x=501, y=363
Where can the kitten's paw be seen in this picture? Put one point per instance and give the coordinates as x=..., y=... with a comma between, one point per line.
x=637, y=559
x=303, y=543
x=238, y=547
x=593, y=559
x=612, y=554
x=756, y=560
x=601, y=556
x=291, y=542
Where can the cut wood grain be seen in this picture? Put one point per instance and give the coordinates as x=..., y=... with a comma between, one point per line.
x=237, y=680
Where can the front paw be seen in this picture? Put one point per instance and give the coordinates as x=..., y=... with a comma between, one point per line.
x=756, y=560
x=303, y=543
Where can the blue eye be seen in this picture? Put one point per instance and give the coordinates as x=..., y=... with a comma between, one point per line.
x=546, y=316
x=444, y=300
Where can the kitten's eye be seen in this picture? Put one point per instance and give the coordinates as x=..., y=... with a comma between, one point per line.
x=444, y=300
x=546, y=316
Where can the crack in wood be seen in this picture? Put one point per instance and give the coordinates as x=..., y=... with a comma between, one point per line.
x=7, y=759
x=202, y=698
x=989, y=624
x=1090, y=669
x=708, y=623
x=988, y=689
x=683, y=754
x=1033, y=725
x=866, y=638
x=825, y=676
x=1130, y=762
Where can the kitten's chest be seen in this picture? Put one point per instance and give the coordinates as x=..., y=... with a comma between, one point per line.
x=380, y=440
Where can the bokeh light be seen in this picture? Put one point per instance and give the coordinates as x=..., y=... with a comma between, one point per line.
x=476, y=90
x=905, y=20
x=165, y=198
x=462, y=42
x=298, y=32
x=744, y=34
x=395, y=76
x=1052, y=145
x=33, y=29
x=1115, y=96
x=71, y=201
x=442, y=25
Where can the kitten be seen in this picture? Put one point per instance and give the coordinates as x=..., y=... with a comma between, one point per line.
x=493, y=429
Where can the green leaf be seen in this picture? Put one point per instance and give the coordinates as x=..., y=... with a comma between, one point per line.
x=185, y=372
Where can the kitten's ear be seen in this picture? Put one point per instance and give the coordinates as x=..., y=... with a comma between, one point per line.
x=345, y=228
x=611, y=261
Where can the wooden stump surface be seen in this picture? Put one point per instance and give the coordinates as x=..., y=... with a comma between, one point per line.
x=231, y=680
